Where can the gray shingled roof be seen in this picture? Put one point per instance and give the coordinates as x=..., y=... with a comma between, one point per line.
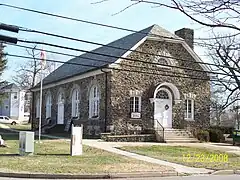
x=68, y=70
x=10, y=86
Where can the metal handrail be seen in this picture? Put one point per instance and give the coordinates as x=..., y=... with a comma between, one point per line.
x=161, y=127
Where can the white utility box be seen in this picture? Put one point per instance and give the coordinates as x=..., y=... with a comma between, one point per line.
x=26, y=143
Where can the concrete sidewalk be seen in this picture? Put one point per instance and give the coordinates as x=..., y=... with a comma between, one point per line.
x=213, y=146
x=178, y=168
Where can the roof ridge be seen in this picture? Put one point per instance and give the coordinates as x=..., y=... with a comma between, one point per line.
x=113, y=50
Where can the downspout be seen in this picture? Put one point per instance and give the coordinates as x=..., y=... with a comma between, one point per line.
x=106, y=100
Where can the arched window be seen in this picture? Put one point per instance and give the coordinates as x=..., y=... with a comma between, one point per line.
x=61, y=98
x=48, y=105
x=162, y=94
x=164, y=59
x=60, y=101
x=38, y=107
x=75, y=103
x=94, y=102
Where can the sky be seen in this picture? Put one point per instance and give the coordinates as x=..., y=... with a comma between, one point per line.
x=136, y=18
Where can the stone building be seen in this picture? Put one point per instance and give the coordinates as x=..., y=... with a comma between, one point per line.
x=143, y=80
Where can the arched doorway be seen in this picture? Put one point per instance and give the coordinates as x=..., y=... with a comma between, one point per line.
x=164, y=96
x=60, y=116
x=163, y=108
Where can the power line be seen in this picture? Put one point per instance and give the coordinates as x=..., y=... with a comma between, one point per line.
x=90, y=42
x=112, y=56
x=92, y=52
x=85, y=21
x=100, y=44
x=112, y=68
x=108, y=26
x=94, y=23
x=89, y=22
x=97, y=60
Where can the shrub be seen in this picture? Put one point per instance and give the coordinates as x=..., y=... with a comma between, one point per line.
x=225, y=130
x=203, y=136
x=216, y=135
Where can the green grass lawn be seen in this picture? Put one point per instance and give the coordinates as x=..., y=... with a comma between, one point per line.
x=189, y=156
x=52, y=156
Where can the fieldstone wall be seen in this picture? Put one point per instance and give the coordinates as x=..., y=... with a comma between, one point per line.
x=92, y=127
x=124, y=81
x=115, y=118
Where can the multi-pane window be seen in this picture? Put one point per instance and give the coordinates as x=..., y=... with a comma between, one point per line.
x=94, y=101
x=135, y=104
x=75, y=103
x=162, y=94
x=48, y=105
x=189, y=109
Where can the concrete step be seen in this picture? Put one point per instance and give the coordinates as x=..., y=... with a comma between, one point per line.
x=177, y=132
x=173, y=136
x=175, y=129
x=179, y=137
x=190, y=140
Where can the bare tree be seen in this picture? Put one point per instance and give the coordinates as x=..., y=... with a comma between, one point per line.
x=29, y=74
x=217, y=102
x=224, y=49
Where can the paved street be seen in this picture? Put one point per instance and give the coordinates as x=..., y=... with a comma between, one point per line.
x=227, y=177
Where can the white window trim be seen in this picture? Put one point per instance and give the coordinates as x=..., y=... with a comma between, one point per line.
x=92, y=101
x=192, y=108
x=75, y=103
x=161, y=66
x=134, y=104
x=48, y=106
x=62, y=99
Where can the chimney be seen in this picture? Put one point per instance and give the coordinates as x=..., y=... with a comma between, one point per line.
x=187, y=34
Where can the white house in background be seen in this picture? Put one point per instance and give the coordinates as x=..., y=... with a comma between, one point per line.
x=13, y=101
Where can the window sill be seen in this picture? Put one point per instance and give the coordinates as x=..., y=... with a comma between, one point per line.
x=92, y=118
x=164, y=67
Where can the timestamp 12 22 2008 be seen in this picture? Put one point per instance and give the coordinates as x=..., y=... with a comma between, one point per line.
x=207, y=158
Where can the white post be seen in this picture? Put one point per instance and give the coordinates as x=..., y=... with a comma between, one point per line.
x=76, y=141
x=40, y=109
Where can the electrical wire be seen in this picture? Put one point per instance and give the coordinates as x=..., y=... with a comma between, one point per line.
x=125, y=58
x=112, y=68
x=110, y=46
x=97, y=60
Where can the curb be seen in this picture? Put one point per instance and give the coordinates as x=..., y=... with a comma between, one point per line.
x=226, y=172
x=88, y=176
